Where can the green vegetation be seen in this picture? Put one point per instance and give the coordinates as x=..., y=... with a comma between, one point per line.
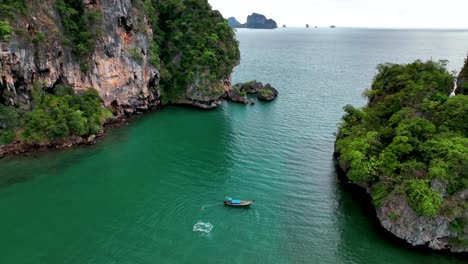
x=409, y=134
x=9, y=8
x=191, y=42
x=54, y=116
x=10, y=120
x=5, y=30
x=135, y=54
x=266, y=92
x=81, y=26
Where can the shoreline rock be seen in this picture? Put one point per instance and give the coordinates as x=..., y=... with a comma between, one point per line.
x=397, y=218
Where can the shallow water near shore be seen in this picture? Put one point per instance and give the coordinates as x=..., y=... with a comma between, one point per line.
x=152, y=192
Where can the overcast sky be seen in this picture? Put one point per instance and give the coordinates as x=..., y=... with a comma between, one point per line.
x=352, y=13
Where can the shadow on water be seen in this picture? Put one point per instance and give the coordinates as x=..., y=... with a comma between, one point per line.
x=364, y=240
x=25, y=168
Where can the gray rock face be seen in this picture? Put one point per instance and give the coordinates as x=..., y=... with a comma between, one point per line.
x=118, y=68
x=396, y=216
x=408, y=225
x=236, y=95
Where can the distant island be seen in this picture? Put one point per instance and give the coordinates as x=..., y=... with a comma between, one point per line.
x=256, y=21
x=332, y=26
x=307, y=25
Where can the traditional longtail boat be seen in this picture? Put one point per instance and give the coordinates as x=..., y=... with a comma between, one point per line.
x=237, y=203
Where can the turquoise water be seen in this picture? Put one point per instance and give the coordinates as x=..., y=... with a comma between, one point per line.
x=151, y=192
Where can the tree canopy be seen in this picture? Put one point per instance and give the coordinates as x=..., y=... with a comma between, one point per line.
x=409, y=134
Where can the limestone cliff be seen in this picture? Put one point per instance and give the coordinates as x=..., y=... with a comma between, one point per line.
x=124, y=79
x=128, y=38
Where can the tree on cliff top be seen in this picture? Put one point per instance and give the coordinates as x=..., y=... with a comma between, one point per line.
x=192, y=41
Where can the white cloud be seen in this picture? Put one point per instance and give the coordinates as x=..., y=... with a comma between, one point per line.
x=352, y=13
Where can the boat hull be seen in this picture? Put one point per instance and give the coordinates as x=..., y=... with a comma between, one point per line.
x=241, y=204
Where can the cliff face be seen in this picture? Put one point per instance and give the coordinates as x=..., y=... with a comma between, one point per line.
x=462, y=80
x=125, y=82
x=119, y=65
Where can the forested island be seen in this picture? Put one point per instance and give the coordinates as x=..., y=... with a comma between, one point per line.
x=254, y=21
x=408, y=148
x=68, y=67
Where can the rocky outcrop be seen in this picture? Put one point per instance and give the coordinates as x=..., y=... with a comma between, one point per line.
x=118, y=68
x=256, y=21
x=267, y=93
x=238, y=92
x=251, y=87
x=235, y=95
x=401, y=220
x=397, y=217
x=462, y=80
x=232, y=21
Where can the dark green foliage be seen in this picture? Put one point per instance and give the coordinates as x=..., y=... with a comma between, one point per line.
x=63, y=114
x=9, y=8
x=7, y=137
x=409, y=134
x=10, y=120
x=81, y=26
x=191, y=41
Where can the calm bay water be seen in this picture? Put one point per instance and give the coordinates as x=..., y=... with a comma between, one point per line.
x=151, y=192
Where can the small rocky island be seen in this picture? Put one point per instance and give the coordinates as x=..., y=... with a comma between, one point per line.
x=238, y=93
x=254, y=21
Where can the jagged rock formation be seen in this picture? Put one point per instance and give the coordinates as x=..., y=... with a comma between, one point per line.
x=118, y=68
x=462, y=80
x=256, y=21
x=238, y=93
x=267, y=93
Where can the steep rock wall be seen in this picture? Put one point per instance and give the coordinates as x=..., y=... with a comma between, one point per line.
x=118, y=68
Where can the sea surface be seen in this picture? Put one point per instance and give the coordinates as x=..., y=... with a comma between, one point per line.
x=152, y=192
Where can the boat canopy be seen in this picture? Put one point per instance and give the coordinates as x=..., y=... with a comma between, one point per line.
x=235, y=201
x=229, y=199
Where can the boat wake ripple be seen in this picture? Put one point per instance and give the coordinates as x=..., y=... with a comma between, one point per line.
x=203, y=227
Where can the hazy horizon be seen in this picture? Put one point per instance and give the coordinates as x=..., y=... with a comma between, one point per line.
x=415, y=14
